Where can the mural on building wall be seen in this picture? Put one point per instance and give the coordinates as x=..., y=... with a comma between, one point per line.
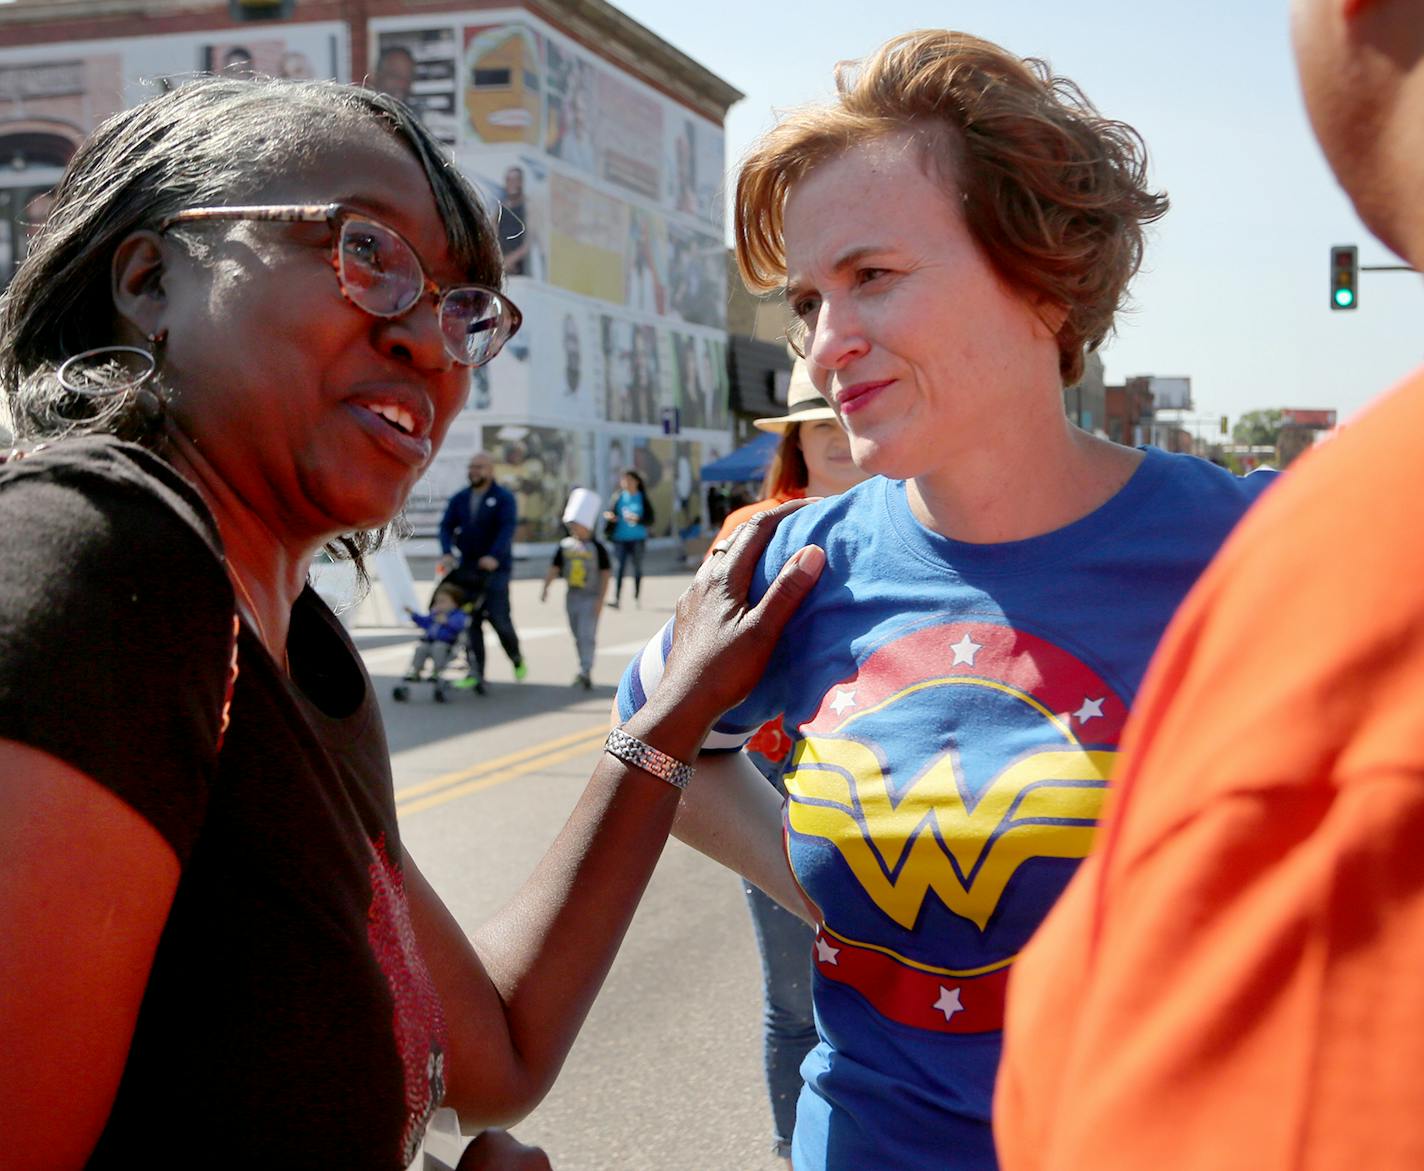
x=645, y=263
x=52, y=96
x=539, y=465
x=249, y=57
x=693, y=158
x=515, y=187
x=503, y=83
x=631, y=369
x=417, y=65
x=609, y=202
x=628, y=133
x=587, y=240
x=568, y=106
x=697, y=277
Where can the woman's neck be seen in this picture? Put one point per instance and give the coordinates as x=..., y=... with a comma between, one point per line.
x=1013, y=491
x=267, y=572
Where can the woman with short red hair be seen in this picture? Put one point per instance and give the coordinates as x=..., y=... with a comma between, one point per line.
x=953, y=233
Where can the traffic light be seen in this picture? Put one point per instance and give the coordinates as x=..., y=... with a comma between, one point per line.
x=1344, y=277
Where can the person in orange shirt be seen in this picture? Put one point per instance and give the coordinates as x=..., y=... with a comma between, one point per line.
x=812, y=459
x=1233, y=980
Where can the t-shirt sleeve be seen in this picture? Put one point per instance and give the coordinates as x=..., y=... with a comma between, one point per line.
x=116, y=627
x=603, y=561
x=558, y=562
x=737, y=726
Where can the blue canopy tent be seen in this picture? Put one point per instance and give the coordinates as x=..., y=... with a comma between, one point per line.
x=748, y=462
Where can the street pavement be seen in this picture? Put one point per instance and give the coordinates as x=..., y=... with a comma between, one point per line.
x=667, y=1072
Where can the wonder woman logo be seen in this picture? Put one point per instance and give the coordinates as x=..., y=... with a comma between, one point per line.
x=941, y=832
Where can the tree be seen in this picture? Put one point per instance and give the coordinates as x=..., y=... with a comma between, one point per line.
x=1258, y=428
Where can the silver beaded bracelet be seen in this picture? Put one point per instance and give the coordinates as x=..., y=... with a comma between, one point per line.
x=631, y=750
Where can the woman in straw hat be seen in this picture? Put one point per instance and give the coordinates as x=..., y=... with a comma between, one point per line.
x=954, y=231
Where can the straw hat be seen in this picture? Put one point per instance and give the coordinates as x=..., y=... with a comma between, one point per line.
x=804, y=403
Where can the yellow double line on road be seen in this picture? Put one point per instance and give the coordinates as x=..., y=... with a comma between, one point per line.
x=451, y=786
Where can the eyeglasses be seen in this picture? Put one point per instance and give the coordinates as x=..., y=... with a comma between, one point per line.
x=380, y=272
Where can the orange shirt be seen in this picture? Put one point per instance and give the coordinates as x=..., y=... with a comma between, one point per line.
x=771, y=741
x=741, y=515
x=1236, y=978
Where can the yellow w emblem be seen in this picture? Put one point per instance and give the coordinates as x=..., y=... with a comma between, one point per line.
x=1045, y=805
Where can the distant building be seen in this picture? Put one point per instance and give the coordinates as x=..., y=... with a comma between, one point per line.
x=1086, y=400
x=598, y=145
x=1130, y=412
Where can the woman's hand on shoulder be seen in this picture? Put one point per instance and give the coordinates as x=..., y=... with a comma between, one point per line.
x=721, y=644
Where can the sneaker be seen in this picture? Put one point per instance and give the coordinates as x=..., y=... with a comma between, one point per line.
x=470, y=683
x=614, y=604
x=521, y=669
x=411, y=677
x=582, y=680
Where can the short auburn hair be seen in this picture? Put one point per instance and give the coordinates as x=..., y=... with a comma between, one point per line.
x=1055, y=194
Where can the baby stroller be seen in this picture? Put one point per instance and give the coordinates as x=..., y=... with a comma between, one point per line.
x=441, y=652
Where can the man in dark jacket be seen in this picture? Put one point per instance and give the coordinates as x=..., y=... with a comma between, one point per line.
x=476, y=537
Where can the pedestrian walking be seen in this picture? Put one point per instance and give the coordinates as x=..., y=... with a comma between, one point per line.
x=629, y=518
x=477, y=554
x=582, y=562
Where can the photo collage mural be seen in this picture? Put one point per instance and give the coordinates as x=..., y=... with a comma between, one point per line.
x=52, y=96
x=608, y=198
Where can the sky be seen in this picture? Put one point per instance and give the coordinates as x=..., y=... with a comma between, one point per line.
x=1234, y=292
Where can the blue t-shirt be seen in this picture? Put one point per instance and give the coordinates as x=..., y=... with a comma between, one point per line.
x=629, y=510
x=954, y=711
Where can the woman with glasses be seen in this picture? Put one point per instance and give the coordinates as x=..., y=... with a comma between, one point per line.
x=953, y=233
x=241, y=337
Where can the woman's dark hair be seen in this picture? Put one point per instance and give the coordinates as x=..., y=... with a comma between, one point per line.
x=210, y=142
x=787, y=474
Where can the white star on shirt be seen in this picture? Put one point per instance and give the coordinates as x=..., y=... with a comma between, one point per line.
x=1090, y=708
x=842, y=701
x=965, y=650
x=825, y=953
x=948, y=1002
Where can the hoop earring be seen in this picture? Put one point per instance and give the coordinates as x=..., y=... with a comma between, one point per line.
x=67, y=368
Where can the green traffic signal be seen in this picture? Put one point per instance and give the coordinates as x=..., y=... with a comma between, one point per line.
x=1344, y=276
